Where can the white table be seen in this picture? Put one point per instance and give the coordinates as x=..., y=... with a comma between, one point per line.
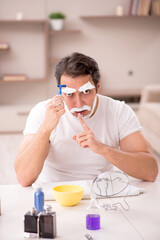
x=142, y=221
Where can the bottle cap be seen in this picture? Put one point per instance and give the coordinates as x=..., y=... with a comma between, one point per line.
x=33, y=211
x=93, y=204
x=38, y=189
x=47, y=208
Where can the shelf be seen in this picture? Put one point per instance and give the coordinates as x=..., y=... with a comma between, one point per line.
x=25, y=81
x=4, y=50
x=52, y=32
x=47, y=32
x=85, y=17
x=44, y=24
x=14, y=77
x=24, y=21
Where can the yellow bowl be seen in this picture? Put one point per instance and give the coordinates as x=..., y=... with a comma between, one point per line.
x=68, y=195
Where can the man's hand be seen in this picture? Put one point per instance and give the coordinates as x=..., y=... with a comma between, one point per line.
x=54, y=110
x=87, y=139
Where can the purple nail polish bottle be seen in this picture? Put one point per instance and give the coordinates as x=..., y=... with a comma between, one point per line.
x=93, y=215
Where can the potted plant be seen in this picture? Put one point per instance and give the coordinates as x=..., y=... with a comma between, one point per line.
x=57, y=20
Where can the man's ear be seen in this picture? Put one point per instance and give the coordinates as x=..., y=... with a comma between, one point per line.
x=98, y=87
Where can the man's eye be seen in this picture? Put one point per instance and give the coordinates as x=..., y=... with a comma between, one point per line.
x=86, y=91
x=69, y=94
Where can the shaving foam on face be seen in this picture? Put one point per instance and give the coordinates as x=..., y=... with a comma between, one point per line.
x=83, y=88
x=93, y=108
x=86, y=86
x=68, y=90
x=85, y=107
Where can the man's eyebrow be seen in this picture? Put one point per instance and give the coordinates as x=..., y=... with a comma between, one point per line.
x=83, y=88
x=86, y=86
x=68, y=90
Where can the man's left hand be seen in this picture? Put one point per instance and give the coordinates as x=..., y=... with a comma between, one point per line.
x=87, y=139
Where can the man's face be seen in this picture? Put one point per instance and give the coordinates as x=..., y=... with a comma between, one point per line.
x=79, y=93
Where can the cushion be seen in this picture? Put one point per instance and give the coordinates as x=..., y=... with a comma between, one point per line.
x=149, y=116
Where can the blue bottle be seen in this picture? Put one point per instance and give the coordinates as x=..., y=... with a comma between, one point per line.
x=39, y=199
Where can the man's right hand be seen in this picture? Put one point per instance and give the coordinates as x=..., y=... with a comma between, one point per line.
x=54, y=110
x=34, y=148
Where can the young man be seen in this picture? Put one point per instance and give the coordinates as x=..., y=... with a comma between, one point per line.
x=80, y=134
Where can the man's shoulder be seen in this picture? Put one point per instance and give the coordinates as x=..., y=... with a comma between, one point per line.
x=116, y=107
x=39, y=108
x=42, y=104
x=110, y=101
x=113, y=107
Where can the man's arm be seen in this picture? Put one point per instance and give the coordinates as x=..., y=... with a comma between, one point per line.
x=135, y=156
x=31, y=156
x=35, y=148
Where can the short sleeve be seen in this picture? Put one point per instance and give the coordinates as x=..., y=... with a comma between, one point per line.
x=127, y=121
x=35, y=119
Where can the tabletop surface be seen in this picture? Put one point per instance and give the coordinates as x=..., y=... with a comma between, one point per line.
x=141, y=221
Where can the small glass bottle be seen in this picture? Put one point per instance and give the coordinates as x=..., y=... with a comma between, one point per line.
x=30, y=224
x=39, y=199
x=47, y=223
x=93, y=215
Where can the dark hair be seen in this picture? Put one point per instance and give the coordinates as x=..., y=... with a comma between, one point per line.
x=77, y=64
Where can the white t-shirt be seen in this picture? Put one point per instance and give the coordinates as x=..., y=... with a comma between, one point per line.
x=67, y=161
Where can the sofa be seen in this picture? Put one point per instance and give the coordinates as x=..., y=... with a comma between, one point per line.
x=149, y=115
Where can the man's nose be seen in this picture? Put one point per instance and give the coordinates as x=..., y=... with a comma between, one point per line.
x=78, y=101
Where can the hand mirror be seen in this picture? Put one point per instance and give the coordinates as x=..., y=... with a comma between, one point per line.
x=109, y=183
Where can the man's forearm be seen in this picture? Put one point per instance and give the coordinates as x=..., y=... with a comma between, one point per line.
x=140, y=165
x=29, y=162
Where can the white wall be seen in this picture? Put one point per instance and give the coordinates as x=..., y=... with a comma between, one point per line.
x=119, y=45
